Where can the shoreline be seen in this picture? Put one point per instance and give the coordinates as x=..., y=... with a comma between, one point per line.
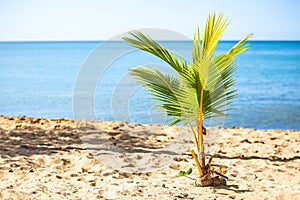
x=56, y=120
x=47, y=159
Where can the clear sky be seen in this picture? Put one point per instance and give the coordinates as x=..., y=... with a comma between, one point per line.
x=37, y=20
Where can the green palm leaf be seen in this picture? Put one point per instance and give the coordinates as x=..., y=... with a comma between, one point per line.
x=145, y=43
x=166, y=89
x=203, y=88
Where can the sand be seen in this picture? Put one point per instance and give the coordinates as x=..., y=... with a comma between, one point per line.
x=60, y=159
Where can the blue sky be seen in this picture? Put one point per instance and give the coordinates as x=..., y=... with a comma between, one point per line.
x=36, y=20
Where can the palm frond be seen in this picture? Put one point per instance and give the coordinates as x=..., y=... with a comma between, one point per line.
x=239, y=47
x=166, y=89
x=145, y=43
x=197, y=50
x=213, y=30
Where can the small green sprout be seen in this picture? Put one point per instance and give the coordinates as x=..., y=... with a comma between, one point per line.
x=184, y=173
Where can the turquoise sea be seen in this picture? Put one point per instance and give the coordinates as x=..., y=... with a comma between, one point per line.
x=38, y=79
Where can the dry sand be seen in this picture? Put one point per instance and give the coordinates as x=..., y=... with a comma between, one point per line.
x=46, y=159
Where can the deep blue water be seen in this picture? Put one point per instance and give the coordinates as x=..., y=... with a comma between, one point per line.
x=38, y=79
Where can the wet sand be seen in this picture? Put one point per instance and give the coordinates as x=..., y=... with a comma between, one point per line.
x=57, y=159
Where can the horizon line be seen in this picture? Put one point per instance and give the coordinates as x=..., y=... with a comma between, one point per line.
x=161, y=40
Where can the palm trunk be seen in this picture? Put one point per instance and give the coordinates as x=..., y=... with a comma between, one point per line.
x=201, y=174
x=201, y=147
x=200, y=159
x=204, y=173
x=200, y=132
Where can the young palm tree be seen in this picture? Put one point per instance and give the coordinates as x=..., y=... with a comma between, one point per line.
x=203, y=87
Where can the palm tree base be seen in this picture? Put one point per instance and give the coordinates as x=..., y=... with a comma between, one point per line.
x=208, y=180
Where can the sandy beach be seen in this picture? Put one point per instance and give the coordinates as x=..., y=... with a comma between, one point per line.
x=50, y=159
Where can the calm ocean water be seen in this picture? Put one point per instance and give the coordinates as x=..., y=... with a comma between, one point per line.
x=37, y=79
